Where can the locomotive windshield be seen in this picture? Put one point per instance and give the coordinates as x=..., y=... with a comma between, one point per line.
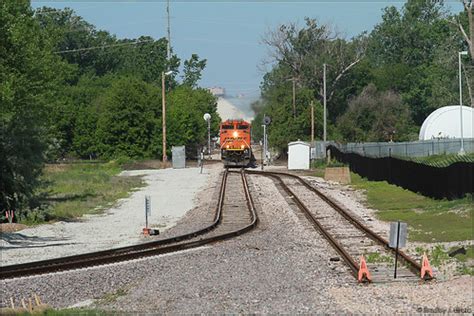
x=227, y=127
x=242, y=126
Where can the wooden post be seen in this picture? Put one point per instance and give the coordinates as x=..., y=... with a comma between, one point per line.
x=163, y=110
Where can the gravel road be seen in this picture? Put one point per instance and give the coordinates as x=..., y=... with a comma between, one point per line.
x=173, y=192
x=282, y=266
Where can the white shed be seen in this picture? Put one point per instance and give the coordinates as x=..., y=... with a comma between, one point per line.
x=298, y=155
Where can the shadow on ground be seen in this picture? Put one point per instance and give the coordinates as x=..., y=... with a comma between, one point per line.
x=16, y=240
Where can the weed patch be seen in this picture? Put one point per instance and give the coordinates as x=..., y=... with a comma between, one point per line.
x=376, y=257
x=73, y=190
x=439, y=257
x=112, y=297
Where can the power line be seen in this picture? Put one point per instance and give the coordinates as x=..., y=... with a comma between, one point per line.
x=99, y=47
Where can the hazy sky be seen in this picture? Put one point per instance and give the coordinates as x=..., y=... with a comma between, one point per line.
x=226, y=33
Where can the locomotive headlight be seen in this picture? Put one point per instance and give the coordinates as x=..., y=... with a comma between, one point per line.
x=235, y=134
x=242, y=146
x=227, y=146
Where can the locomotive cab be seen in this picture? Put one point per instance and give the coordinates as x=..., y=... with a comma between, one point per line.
x=235, y=143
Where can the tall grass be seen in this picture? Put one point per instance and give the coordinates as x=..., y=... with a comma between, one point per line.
x=72, y=190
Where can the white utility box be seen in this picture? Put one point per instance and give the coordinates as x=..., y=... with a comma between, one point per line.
x=179, y=157
x=298, y=155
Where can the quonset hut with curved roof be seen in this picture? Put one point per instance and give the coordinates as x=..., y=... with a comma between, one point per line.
x=445, y=123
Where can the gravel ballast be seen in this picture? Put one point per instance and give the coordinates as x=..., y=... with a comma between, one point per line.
x=282, y=266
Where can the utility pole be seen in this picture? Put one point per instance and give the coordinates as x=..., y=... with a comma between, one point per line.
x=312, y=123
x=163, y=114
x=324, y=94
x=294, y=97
x=461, y=151
x=163, y=110
x=168, y=47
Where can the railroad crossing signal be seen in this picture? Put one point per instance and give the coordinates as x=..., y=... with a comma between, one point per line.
x=266, y=120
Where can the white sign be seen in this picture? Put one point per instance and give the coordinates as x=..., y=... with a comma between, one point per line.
x=395, y=228
x=147, y=205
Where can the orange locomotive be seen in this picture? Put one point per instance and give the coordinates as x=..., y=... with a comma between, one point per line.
x=235, y=143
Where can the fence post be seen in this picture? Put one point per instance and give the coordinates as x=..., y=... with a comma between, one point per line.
x=390, y=165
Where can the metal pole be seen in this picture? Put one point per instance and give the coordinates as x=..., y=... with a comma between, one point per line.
x=201, y=156
x=265, y=142
x=263, y=146
x=312, y=123
x=324, y=95
x=461, y=151
x=168, y=47
x=147, y=205
x=396, y=251
x=209, y=137
x=163, y=103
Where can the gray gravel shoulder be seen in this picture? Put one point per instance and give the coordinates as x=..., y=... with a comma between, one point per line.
x=280, y=267
x=173, y=193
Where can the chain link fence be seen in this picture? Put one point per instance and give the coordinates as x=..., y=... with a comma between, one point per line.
x=422, y=148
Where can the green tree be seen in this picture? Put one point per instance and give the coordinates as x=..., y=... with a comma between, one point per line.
x=128, y=123
x=75, y=39
x=285, y=127
x=404, y=49
x=193, y=70
x=147, y=59
x=30, y=76
x=86, y=96
x=185, y=111
x=377, y=116
x=298, y=55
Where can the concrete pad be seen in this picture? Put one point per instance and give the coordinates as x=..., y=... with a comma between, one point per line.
x=338, y=174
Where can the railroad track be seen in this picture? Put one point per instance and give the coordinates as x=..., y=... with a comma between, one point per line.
x=231, y=219
x=348, y=236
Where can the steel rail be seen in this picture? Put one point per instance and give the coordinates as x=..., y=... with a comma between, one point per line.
x=135, y=251
x=336, y=245
x=414, y=266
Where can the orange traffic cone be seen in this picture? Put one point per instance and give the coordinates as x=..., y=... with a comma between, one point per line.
x=364, y=275
x=426, y=271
